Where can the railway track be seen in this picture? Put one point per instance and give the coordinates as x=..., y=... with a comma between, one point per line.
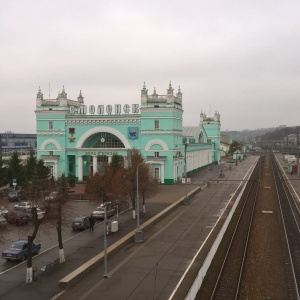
x=290, y=213
x=229, y=279
x=259, y=256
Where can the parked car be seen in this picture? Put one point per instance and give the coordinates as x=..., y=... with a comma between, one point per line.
x=40, y=213
x=17, y=195
x=98, y=213
x=3, y=211
x=18, y=217
x=52, y=196
x=25, y=206
x=4, y=192
x=3, y=221
x=19, y=250
x=81, y=223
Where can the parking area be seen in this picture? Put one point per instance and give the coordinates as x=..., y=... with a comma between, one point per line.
x=47, y=235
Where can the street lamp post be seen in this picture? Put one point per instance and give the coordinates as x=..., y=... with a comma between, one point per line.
x=236, y=153
x=105, y=275
x=138, y=237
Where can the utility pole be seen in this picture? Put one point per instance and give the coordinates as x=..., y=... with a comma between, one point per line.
x=297, y=153
x=0, y=147
x=105, y=275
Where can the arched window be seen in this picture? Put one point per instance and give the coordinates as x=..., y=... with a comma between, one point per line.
x=108, y=140
x=201, y=139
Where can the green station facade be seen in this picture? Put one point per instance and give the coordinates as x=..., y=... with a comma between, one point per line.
x=76, y=139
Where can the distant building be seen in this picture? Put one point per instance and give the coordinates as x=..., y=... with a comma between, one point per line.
x=226, y=141
x=291, y=139
x=17, y=142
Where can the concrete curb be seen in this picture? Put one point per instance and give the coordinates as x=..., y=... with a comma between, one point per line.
x=74, y=276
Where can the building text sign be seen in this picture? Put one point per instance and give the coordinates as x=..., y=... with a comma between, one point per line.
x=103, y=153
x=117, y=109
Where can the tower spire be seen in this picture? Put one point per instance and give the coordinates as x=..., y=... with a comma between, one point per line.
x=144, y=90
x=170, y=89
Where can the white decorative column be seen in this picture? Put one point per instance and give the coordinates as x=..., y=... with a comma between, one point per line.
x=125, y=161
x=95, y=166
x=55, y=170
x=162, y=177
x=80, y=167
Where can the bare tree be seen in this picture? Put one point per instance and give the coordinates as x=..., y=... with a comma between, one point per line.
x=36, y=224
x=37, y=220
x=147, y=184
x=134, y=160
x=61, y=204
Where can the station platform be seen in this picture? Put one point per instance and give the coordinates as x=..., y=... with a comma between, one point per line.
x=149, y=270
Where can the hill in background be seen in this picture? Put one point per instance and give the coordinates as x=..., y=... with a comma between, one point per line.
x=262, y=134
x=247, y=136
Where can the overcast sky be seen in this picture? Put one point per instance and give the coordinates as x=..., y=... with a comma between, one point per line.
x=238, y=57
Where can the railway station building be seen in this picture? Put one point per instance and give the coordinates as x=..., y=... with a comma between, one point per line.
x=76, y=139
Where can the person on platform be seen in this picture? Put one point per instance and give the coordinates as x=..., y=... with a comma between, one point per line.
x=92, y=223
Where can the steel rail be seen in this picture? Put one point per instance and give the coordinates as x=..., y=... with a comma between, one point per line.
x=217, y=293
x=290, y=222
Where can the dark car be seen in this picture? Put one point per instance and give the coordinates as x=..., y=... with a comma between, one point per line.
x=5, y=192
x=17, y=195
x=17, y=217
x=18, y=250
x=81, y=223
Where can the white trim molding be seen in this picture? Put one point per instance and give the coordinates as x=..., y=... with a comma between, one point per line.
x=92, y=131
x=156, y=142
x=47, y=142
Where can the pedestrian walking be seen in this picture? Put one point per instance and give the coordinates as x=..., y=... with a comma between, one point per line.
x=92, y=223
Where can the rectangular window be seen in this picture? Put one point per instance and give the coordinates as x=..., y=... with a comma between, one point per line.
x=156, y=173
x=50, y=153
x=50, y=124
x=51, y=170
x=156, y=124
x=156, y=154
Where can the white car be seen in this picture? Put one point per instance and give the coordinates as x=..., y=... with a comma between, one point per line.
x=52, y=196
x=98, y=213
x=3, y=211
x=3, y=221
x=40, y=213
x=25, y=206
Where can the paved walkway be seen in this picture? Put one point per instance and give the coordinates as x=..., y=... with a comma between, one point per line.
x=88, y=244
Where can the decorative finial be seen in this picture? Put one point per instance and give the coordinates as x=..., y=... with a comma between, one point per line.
x=80, y=98
x=144, y=90
x=179, y=94
x=39, y=93
x=154, y=92
x=170, y=89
